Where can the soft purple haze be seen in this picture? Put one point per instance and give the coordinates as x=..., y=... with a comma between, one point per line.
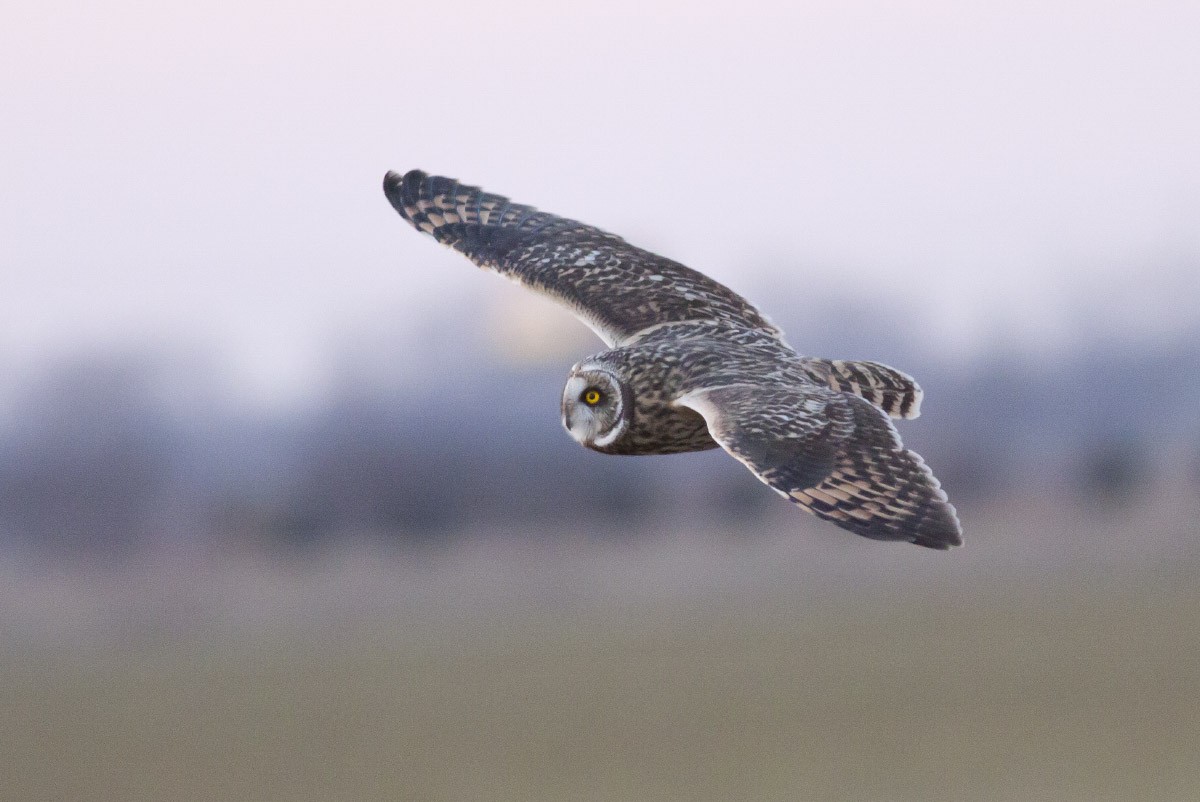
x=209, y=174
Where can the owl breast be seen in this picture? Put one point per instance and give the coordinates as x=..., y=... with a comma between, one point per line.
x=652, y=375
x=658, y=428
x=674, y=360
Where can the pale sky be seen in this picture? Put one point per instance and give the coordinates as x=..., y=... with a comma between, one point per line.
x=210, y=173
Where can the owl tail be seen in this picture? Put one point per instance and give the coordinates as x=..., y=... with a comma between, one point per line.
x=896, y=393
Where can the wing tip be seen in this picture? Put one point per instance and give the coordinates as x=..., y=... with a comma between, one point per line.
x=933, y=524
x=942, y=531
x=398, y=189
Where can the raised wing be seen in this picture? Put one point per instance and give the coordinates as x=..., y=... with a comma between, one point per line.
x=833, y=454
x=617, y=289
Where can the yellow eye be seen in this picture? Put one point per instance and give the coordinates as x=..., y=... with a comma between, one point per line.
x=591, y=397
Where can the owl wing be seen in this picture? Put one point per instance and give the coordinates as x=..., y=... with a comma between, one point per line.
x=835, y=455
x=617, y=289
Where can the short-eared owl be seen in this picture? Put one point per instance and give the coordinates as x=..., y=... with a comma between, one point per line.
x=692, y=365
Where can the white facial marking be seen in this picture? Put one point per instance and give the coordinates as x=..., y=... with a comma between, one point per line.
x=588, y=425
x=609, y=438
x=578, y=417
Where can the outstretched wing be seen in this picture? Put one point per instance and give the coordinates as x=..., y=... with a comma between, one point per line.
x=833, y=454
x=617, y=289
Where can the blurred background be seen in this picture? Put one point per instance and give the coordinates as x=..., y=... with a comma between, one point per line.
x=286, y=510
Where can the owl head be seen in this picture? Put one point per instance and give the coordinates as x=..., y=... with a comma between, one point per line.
x=596, y=406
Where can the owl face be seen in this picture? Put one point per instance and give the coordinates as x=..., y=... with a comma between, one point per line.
x=594, y=407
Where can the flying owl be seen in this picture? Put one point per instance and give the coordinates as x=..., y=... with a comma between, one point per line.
x=692, y=365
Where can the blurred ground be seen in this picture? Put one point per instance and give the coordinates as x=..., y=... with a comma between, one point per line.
x=1043, y=661
x=395, y=593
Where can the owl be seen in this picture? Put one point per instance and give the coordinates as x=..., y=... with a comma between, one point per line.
x=691, y=365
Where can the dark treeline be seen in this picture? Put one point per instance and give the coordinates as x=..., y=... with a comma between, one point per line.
x=96, y=457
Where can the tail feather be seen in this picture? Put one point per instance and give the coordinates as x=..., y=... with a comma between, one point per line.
x=896, y=393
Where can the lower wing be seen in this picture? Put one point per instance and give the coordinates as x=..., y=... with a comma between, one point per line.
x=835, y=455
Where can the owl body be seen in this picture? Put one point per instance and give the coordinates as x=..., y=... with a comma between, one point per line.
x=671, y=362
x=691, y=365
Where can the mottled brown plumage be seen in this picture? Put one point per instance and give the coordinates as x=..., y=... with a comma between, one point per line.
x=693, y=365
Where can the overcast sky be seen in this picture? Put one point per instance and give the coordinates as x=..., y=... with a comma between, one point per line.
x=209, y=172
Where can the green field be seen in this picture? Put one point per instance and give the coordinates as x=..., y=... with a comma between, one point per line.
x=1004, y=693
